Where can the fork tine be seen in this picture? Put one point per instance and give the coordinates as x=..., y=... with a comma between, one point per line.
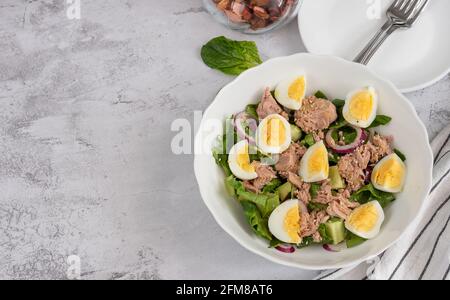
x=394, y=4
x=411, y=6
x=418, y=9
x=401, y=5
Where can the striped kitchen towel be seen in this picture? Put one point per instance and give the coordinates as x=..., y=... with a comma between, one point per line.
x=424, y=251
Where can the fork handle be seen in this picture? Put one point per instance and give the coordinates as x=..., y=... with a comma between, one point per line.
x=367, y=53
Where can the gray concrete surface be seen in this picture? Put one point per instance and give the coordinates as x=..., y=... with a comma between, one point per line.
x=85, y=161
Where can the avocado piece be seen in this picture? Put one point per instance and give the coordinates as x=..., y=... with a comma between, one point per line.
x=296, y=133
x=335, y=230
x=284, y=190
x=336, y=180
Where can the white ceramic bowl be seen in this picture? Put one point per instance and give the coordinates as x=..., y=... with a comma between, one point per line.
x=336, y=77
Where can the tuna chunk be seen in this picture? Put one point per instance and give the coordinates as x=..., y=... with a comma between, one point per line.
x=303, y=187
x=381, y=147
x=295, y=180
x=352, y=166
x=290, y=159
x=325, y=195
x=309, y=224
x=303, y=194
x=265, y=175
x=341, y=206
x=315, y=115
x=269, y=105
x=337, y=209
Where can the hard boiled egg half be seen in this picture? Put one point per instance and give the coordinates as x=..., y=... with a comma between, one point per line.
x=365, y=221
x=389, y=174
x=291, y=92
x=273, y=134
x=284, y=222
x=239, y=161
x=360, y=107
x=314, y=165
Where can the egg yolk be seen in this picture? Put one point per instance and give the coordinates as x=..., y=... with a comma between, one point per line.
x=274, y=132
x=389, y=174
x=292, y=224
x=364, y=218
x=243, y=160
x=318, y=161
x=361, y=105
x=297, y=89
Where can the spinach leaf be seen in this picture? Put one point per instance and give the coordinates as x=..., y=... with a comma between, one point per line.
x=369, y=193
x=230, y=57
x=339, y=103
x=251, y=110
x=275, y=242
x=340, y=122
x=380, y=120
x=306, y=241
x=321, y=95
x=333, y=158
x=400, y=154
x=349, y=134
x=256, y=221
x=352, y=240
x=308, y=140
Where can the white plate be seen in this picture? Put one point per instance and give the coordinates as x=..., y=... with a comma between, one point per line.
x=336, y=77
x=412, y=59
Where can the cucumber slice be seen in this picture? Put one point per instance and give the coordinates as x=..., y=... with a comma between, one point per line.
x=284, y=190
x=296, y=133
x=336, y=230
x=336, y=180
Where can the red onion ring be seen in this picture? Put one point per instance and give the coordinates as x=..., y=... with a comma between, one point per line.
x=285, y=248
x=335, y=248
x=242, y=118
x=361, y=137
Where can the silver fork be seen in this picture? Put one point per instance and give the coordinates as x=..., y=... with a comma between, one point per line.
x=401, y=14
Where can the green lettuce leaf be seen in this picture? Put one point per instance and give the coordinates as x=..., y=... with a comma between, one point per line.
x=256, y=221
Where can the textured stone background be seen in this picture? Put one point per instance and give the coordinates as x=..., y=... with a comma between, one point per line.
x=85, y=162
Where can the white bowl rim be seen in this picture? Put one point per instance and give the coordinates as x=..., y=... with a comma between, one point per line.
x=428, y=156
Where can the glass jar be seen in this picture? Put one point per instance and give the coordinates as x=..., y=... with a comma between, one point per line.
x=253, y=16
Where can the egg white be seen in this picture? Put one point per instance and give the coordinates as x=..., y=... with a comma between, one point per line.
x=377, y=168
x=353, y=119
x=282, y=93
x=304, y=171
x=372, y=233
x=234, y=165
x=261, y=141
x=276, y=220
